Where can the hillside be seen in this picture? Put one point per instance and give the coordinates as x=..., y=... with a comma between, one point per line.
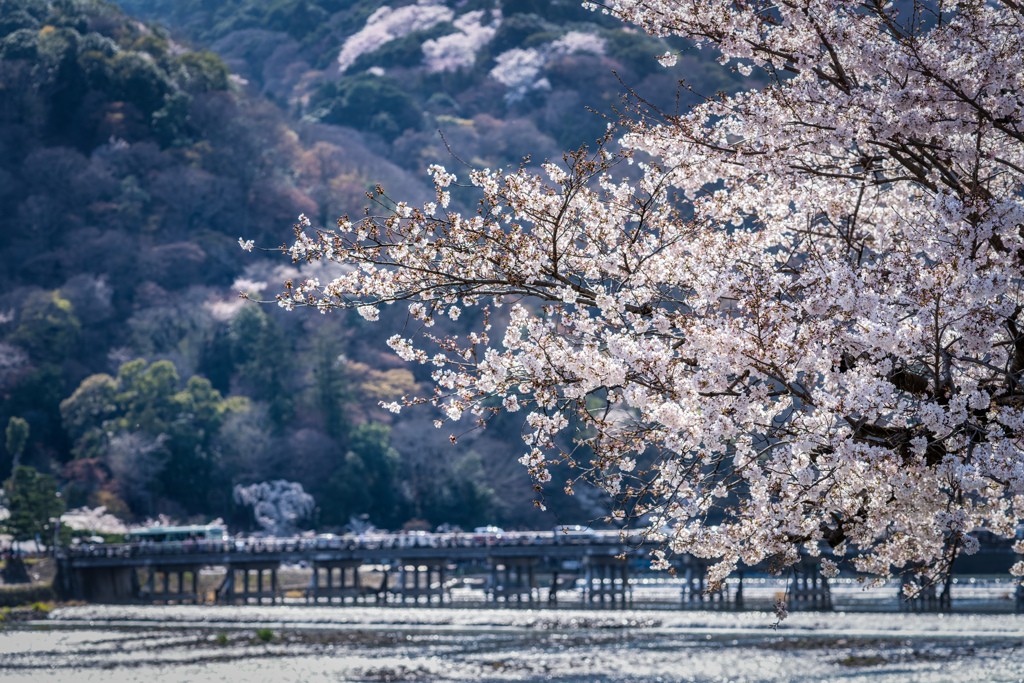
x=133, y=157
x=501, y=80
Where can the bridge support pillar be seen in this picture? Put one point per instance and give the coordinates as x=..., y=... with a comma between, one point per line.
x=513, y=579
x=349, y=585
x=928, y=599
x=171, y=591
x=695, y=593
x=606, y=577
x=422, y=577
x=233, y=590
x=118, y=584
x=809, y=590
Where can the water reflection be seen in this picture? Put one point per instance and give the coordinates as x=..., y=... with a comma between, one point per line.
x=280, y=644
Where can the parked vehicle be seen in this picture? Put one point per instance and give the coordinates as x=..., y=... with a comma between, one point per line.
x=574, y=533
x=488, y=535
x=171, y=534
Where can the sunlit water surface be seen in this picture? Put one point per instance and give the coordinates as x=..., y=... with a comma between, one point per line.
x=208, y=643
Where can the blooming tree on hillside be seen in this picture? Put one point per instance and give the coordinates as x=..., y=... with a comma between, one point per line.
x=821, y=345
x=387, y=24
x=278, y=505
x=519, y=69
x=458, y=50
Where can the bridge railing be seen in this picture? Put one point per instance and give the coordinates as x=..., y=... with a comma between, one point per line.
x=398, y=541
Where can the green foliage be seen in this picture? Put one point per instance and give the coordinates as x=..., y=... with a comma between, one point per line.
x=515, y=30
x=148, y=399
x=47, y=327
x=32, y=500
x=635, y=50
x=86, y=412
x=264, y=634
x=36, y=396
x=201, y=72
x=157, y=47
x=553, y=10
x=332, y=390
x=171, y=123
x=375, y=104
x=17, y=437
x=296, y=18
x=20, y=44
x=139, y=80
x=146, y=396
x=21, y=15
x=261, y=357
x=462, y=497
x=27, y=594
x=215, y=18
x=365, y=482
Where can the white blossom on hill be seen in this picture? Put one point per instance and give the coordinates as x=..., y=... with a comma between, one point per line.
x=518, y=69
x=95, y=520
x=278, y=506
x=387, y=24
x=458, y=50
x=578, y=41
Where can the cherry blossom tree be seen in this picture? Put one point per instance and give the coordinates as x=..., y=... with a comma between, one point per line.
x=278, y=505
x=93, y=520
x=458, y=50
x=387, y=24
x=797, y=328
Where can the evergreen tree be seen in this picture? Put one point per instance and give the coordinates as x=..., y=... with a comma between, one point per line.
x=33, y=501
x=17, y=438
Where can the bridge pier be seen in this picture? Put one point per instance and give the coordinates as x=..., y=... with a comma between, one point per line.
x=606, y=577
x=512, y=579
x=232, y=590
x=928, y=599
x=115, y=584
x=421, y=577
x=180, y=593
x=695, y=594
x=809, y=590
x=348, y=585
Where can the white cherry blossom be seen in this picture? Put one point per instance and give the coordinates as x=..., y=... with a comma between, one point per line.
x=822, y=347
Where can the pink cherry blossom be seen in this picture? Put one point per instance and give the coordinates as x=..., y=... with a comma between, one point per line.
x=824, y=350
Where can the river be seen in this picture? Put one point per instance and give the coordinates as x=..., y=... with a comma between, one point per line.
x=282, y=644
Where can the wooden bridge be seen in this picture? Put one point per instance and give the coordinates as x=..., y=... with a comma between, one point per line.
x=419, y=569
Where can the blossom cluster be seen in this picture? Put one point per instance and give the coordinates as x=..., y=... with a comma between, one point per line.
x=821, y=347
x=93, y=520
x=459, y=50
x=519, y=69
x=387, y=24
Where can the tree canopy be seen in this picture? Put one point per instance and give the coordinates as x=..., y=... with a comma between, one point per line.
x=786, y=319
x=33, y=502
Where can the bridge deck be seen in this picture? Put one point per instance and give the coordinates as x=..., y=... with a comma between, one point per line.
x=419, y=567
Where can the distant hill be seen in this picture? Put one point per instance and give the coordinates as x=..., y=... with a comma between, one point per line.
x=521, y=72
x=134, y=154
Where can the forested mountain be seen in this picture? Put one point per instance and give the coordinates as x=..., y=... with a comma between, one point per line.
x=135, y=153
x=501, y=79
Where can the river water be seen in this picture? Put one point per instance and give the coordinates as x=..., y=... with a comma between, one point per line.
x=179, y=644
